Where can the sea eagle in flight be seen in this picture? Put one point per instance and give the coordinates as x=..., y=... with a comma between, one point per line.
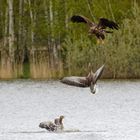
x=99, y=30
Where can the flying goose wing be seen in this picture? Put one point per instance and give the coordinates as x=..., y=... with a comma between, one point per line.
x=98, y=73
x=103, y=23
x=80, y=18
x=75, y=81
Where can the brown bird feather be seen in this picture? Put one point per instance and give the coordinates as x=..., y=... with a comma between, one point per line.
x=96, y=29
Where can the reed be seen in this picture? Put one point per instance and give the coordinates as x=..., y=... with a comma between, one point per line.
x=5, y=66
x=42, y=67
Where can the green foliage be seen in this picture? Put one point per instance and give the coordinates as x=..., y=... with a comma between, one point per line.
x=120, y=52
x=45, y=24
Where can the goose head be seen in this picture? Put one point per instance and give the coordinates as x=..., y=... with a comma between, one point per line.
x=61, y=119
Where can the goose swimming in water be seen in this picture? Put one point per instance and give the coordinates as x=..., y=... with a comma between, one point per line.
x=99, y=30
x=88, y=81
x=53, y=127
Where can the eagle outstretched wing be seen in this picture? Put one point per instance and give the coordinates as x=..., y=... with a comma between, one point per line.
x=80, y=18
x=103, y=23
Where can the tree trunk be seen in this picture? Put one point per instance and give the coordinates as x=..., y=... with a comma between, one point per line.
x=5, y=27
x=51, y=34
x=20, y=43
x=20, y=24
x=11, y=30
x=31, y=32
x=66, y=14
x=32, y=24
x=5, y=43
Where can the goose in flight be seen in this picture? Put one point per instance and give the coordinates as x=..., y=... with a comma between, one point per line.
x=89, y=81
x=99, y=30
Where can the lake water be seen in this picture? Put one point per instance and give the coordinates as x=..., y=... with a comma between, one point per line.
x=113, y=113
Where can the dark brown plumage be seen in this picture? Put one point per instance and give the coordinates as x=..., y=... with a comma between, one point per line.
x=98, y=29
x=88, y=81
